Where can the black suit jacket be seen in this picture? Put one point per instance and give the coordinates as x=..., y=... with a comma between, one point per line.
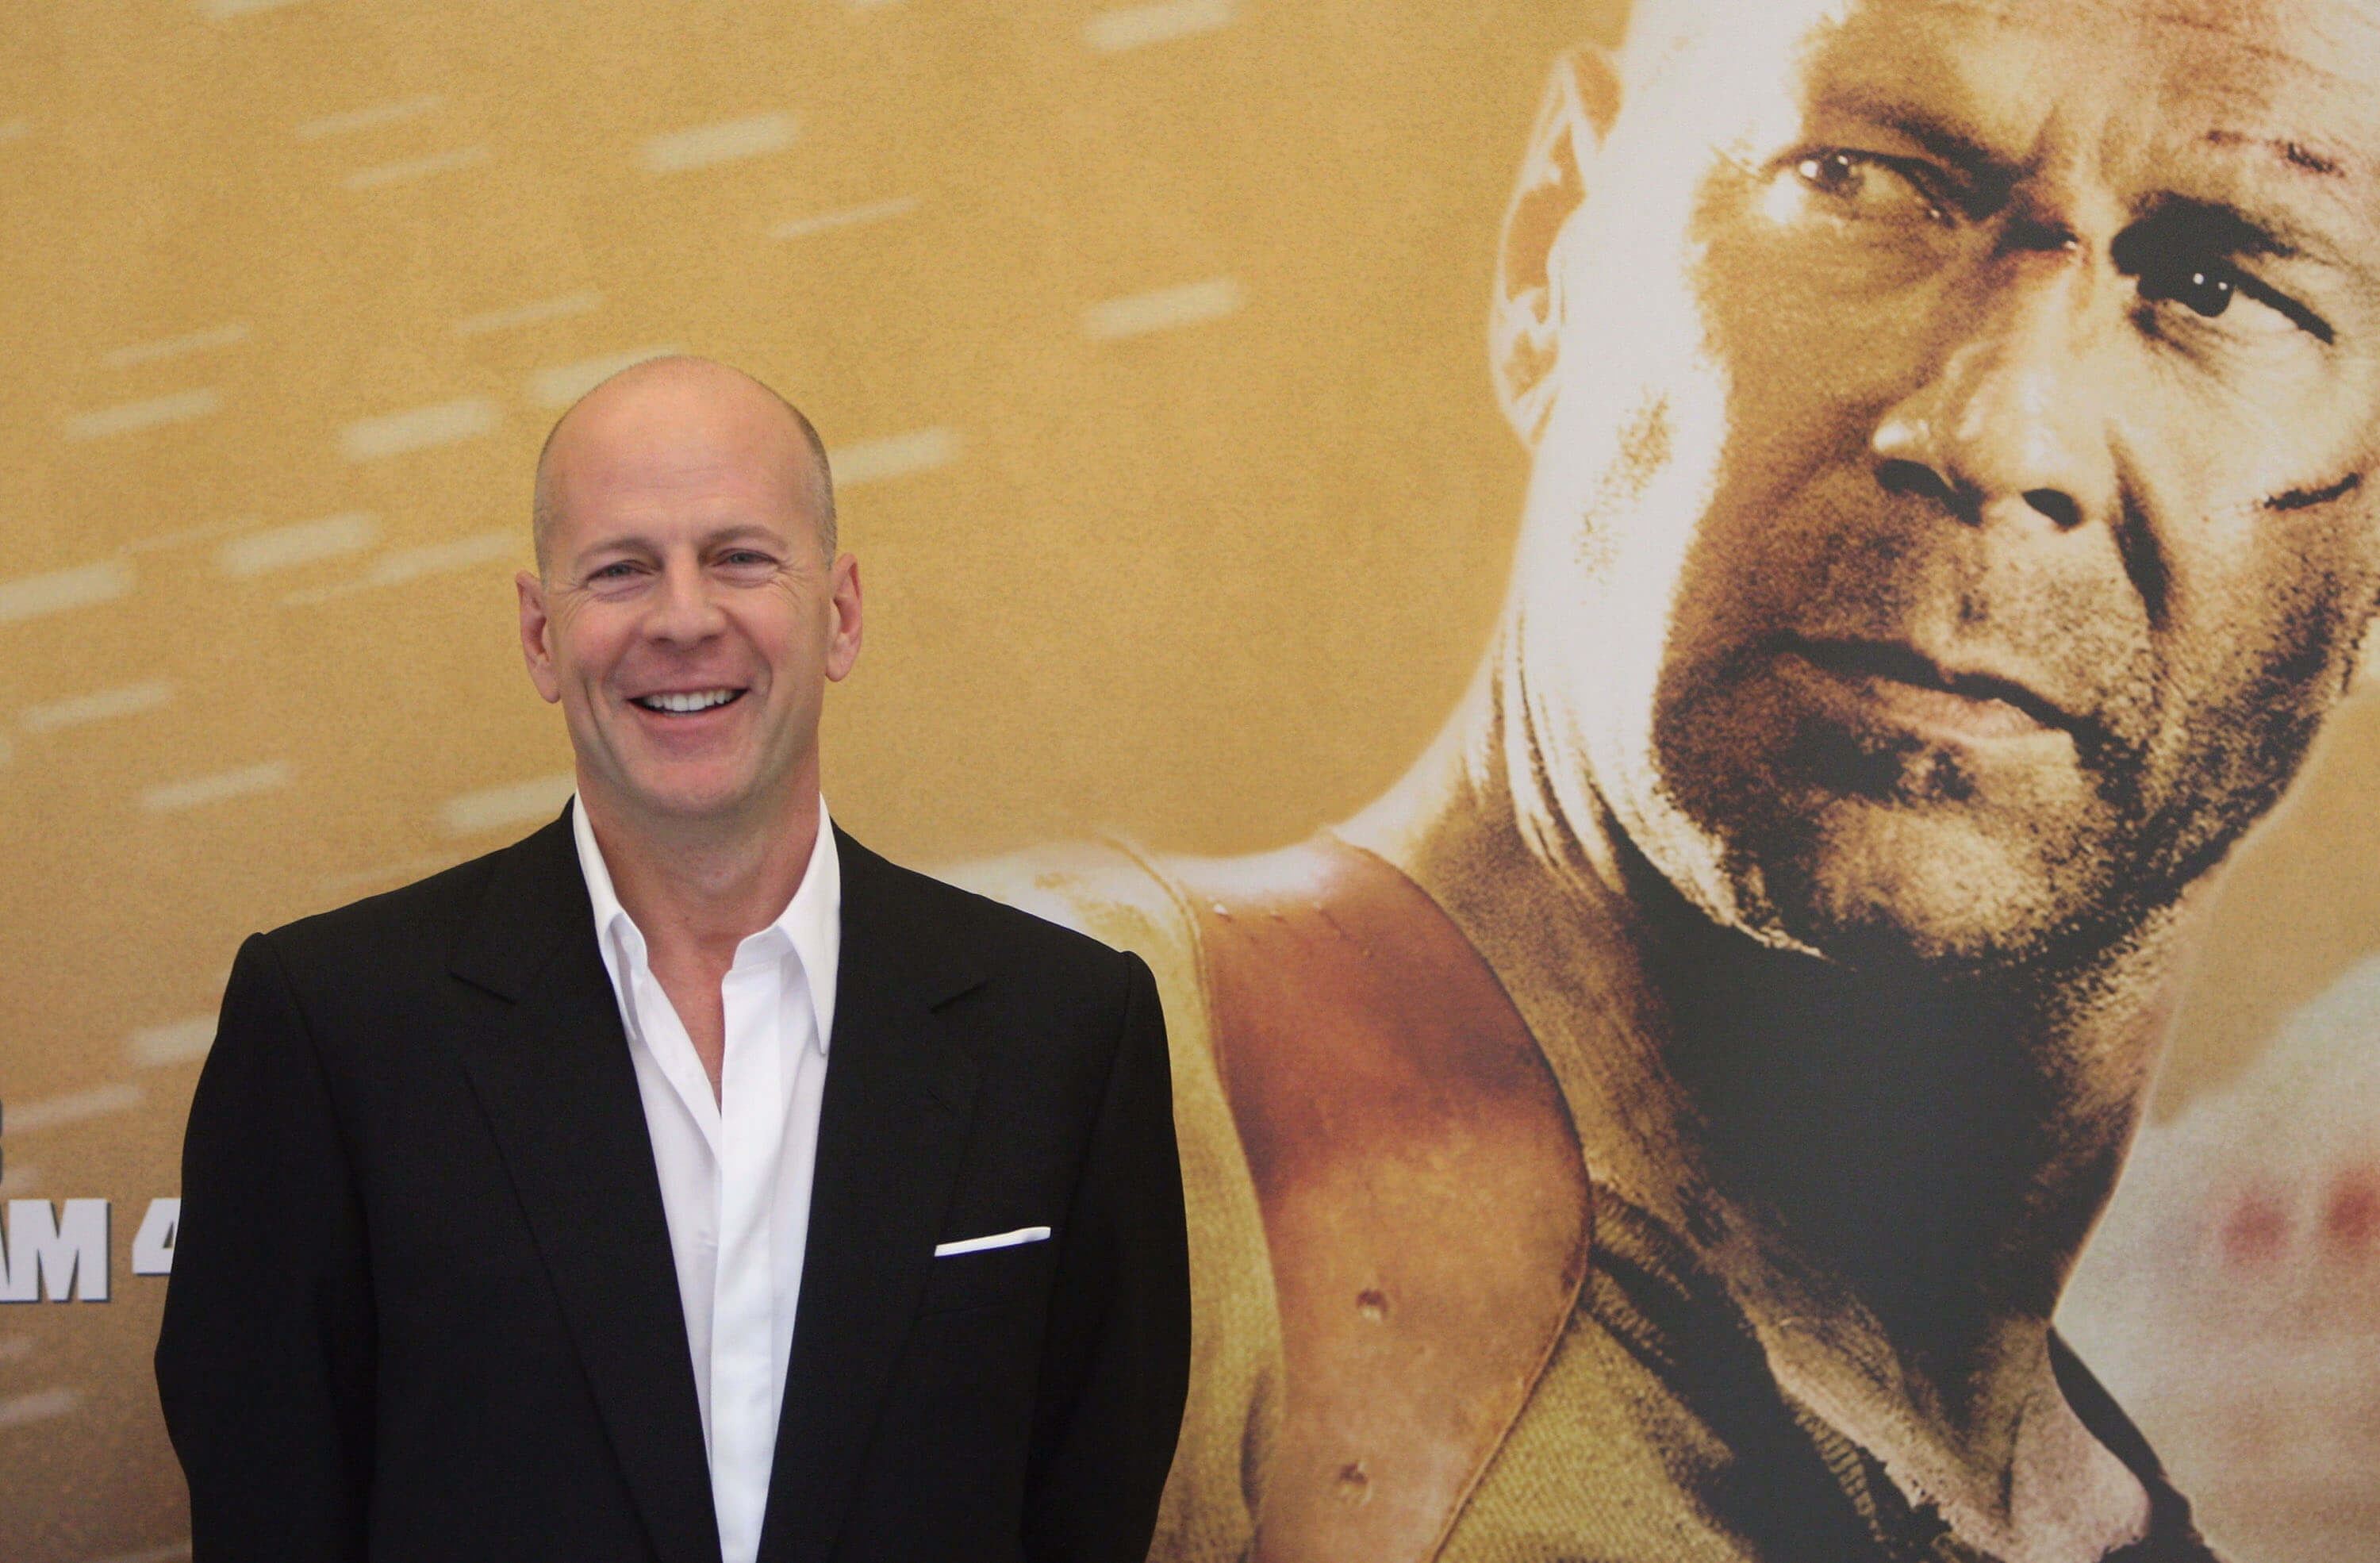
x=423, y=1305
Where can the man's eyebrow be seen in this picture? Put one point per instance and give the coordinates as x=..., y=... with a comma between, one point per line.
x=2214, y=225
x=631, y=544
x=1991, y=174
x=625, y=543
x=1946, y=144
x=742, y=530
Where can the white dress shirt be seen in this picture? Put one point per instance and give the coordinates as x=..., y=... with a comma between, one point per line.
x=735, y=1170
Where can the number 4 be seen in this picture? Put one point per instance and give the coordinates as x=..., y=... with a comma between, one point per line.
x=152, y=1245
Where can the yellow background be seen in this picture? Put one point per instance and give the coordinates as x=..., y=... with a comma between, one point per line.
x=1150, y=342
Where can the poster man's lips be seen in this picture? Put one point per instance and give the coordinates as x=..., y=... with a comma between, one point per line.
x=1891, y=663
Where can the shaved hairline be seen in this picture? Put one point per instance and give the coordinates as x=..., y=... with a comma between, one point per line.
x=543, y=511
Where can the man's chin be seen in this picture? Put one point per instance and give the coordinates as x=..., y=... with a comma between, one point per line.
x=687, y=795
x=1875, y=885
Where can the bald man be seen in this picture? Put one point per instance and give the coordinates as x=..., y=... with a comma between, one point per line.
x=684, y=1182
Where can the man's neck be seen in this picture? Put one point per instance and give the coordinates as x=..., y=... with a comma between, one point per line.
x=697, y=888
x=1892, y=1173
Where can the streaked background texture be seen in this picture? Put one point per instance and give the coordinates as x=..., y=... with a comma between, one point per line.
x=1149, y=343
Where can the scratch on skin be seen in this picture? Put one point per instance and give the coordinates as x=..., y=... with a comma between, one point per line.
x=2306, y=499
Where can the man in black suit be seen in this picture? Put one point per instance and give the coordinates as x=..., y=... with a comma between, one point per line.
x=501, y=1190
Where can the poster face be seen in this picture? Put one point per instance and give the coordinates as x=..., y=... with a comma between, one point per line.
x=1719, y=656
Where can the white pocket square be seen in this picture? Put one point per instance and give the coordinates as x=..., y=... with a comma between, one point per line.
x=997, y=1240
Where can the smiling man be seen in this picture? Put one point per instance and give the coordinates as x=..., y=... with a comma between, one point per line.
x=1662, y=1126
x=684, y=1182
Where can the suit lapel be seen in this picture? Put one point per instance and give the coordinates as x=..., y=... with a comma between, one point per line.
x=554, y=1078
x=892, y=1128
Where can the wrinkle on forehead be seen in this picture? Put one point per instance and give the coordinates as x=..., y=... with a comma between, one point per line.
x=2313, y=35
x=2295, y=153
x=2333, y=177
x=2335, y=39
x=2289, y=86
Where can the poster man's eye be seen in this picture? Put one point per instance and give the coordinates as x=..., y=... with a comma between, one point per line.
x=2204, y=287
x=1863, y=186
x=2171, y=269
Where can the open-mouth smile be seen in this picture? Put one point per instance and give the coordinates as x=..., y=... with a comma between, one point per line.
x=688, y=703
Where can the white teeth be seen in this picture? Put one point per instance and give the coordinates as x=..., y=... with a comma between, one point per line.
x=682, y=703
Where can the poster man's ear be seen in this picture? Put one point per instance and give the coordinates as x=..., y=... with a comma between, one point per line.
x=1581, y=101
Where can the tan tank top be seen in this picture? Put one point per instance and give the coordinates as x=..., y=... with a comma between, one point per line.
x=1426, y=1205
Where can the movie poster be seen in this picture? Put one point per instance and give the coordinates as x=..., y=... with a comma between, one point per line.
x=1723, y=656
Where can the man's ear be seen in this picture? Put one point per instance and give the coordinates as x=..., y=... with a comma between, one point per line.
x=534, y=622
x=843, y=644
x=1581, y=100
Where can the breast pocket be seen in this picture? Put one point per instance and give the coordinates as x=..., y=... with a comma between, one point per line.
x=989, y=1278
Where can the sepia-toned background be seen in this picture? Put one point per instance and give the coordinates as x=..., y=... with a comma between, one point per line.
x=1149, y=343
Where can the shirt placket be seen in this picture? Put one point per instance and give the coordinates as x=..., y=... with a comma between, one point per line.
x=751, y=1106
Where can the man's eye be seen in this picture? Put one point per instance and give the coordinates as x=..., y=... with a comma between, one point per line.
x=2205, y=288
x=2208, y=287
x=1866, y=185
x=618, y=572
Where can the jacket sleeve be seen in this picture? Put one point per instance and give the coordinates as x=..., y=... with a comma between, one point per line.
x=1116, y=1361
x=264, y=1360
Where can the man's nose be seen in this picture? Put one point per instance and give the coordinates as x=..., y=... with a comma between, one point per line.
x=684, y=610
x=2009, y=423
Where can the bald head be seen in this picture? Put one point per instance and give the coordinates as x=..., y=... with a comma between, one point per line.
x=696, y=397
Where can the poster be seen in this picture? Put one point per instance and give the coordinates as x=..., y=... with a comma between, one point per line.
x=1708, y=650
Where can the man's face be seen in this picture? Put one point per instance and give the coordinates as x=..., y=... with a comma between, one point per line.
x=689, y=619
x=1974, y=533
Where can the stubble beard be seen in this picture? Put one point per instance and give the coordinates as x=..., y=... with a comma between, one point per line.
x=1880, y=851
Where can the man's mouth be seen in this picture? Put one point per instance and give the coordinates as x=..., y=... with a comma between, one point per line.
x=688, y=702
x=1901, y=680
